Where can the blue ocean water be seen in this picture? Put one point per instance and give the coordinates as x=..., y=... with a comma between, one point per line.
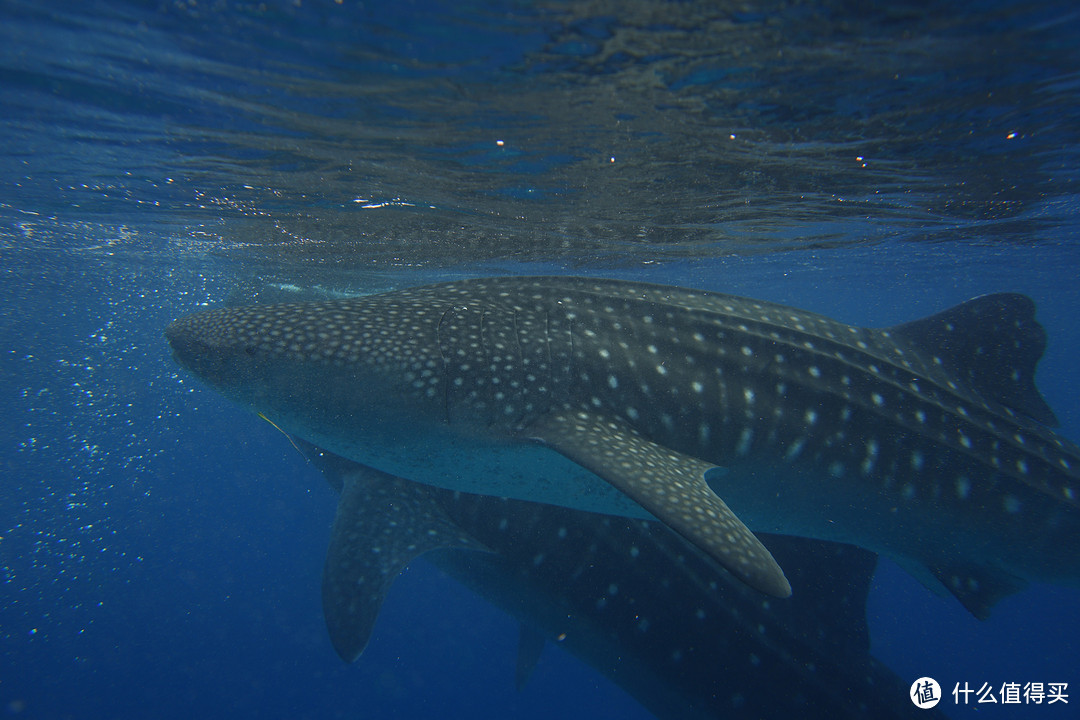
x=161, y=550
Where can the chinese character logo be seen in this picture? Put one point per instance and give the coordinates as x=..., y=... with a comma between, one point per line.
x=925, y=693
x=1011, y=693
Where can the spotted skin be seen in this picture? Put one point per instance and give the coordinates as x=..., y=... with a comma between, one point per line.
x=927, y=441
x=670, y=486
x=626, y=596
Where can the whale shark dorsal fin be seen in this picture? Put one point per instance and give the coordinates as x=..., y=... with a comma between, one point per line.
x=978, y=588
x=993, y=344
x=382, y=524
x=669, y=485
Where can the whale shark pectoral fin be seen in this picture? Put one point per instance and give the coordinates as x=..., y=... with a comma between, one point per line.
x=669, y=485
x=382, y=524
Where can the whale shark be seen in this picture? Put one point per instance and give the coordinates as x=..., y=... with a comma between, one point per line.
x=628, y=597
x=927, y=442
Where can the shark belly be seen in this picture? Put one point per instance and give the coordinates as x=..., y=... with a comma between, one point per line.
x=482, y=465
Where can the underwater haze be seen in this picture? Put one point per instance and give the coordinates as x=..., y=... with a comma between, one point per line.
x=161, y=549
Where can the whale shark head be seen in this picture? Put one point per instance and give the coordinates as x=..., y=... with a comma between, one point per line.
x=314, y=365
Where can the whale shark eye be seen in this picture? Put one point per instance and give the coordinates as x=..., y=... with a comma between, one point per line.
x=249, y=350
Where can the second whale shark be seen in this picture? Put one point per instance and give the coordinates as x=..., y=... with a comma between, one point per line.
x=625, y=596
x=927, y=442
